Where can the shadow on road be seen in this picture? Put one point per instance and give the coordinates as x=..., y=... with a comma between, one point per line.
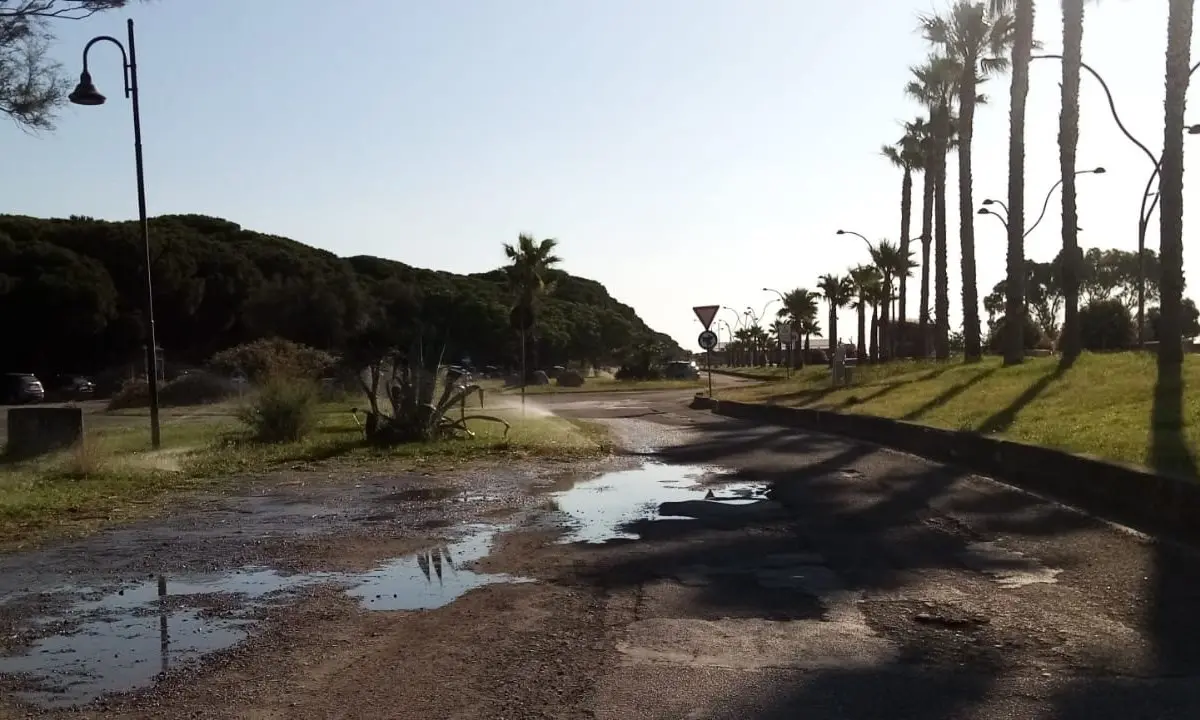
x=881, y=532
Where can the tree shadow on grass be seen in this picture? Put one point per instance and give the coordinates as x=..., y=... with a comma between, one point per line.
x=1002, y=420
x=948, y=395
x=1169, y=452
x=889, y=388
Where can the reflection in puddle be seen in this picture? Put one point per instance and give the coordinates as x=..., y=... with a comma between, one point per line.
x=601, y=508
x=429, y=579
x=121, y=640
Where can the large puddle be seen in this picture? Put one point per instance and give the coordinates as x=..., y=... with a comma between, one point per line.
x=602, y=509
x=121, y=639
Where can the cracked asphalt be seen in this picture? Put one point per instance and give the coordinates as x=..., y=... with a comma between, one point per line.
x=869, y=584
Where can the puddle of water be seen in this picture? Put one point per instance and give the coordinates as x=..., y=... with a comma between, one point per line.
x=121, y=640
x=600, y=508
x=429, y=579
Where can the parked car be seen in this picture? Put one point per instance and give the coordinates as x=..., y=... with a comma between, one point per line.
x=71, y=387
x=20, y=388
x=681, y=370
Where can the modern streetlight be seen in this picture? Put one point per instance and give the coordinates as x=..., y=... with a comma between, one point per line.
x=86, y=94
x=986, y=210
x=858, y=235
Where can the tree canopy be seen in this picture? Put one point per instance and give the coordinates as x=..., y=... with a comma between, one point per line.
x=72, y=296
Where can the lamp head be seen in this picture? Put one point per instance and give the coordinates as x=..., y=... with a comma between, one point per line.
x=984, y=211
x=85, y=93
x=1194, y=130
x=1099, y=171
x=841, y=232
x=988, y=201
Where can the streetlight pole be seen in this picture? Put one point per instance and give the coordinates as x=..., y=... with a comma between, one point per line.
x=86, y=94
x=870, y=246
x=788, y=340
x=1045, y=204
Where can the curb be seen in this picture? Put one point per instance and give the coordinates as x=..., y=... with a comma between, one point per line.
x=1131, y=496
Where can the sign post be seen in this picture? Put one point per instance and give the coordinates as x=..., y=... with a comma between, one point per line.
x=708, y=340
x=783, y=331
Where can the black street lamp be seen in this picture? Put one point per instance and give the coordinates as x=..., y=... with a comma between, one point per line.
x=986, y=210
x=859, y=235
x=86, y=94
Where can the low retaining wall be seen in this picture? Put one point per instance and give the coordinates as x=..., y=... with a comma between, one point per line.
x=38, y=430
x=1128, y=495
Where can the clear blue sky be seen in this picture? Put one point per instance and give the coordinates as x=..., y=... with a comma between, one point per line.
x=684, y=152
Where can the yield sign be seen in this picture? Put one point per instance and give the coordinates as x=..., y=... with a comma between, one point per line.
x=706, y=313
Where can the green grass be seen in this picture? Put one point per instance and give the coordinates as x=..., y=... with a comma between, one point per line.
x=1104, y=406
x=766, y=373
x=114, y=475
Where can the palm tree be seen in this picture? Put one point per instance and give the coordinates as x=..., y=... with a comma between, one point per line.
x=892, y=264
x=1068, y=141
x=1170, y=184
x=977, y=41
x=922, y=132
x=529, y=264
x=864, y=278
x=906, y=155
x=799, y=305
x=808, y=327
x=934, y=86
x=837, y=291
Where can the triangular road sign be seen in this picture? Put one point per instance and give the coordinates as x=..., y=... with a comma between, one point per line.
x=706, y=313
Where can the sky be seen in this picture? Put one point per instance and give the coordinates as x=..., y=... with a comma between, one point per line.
x=683, y=152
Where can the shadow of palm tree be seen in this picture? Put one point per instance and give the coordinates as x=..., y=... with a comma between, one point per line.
x=1002, y=420
x=890, y=388
x=948, y=395
x=1169, y=452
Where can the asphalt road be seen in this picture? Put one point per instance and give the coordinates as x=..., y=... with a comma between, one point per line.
x=942, y=595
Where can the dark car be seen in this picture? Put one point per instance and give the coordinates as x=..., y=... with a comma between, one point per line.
x=20, y=388
x=71, y=387
x=681, y=370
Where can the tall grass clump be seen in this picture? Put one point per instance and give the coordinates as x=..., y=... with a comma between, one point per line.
x=284, y=409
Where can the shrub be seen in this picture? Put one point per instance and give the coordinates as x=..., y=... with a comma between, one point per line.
x=1032, y=335
x=134, y=393
x=270, y=357
x=1106, y=325
x=283, y=410
x=196, y=388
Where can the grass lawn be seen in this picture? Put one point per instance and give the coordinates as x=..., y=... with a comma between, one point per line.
x=608, y=384
x=114, y=475
x=1110, y=405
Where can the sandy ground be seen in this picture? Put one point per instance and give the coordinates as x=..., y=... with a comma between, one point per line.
x=826, y=579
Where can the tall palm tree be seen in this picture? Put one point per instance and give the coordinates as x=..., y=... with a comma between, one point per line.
x=978, y=42
x=837, y=291
x=922, y=132
x=933, y=85
x=808, y=327
x=530, y=262
x=905, y=155
x=1170, y=184
x=865, y=279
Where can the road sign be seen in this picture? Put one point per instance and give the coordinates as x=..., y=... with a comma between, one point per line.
x=783, y=330
x=707, y=340
x=706, y=313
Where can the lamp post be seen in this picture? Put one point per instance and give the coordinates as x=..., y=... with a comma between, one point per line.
x=870, y=246
x=787, y=341
x=986, y=210
x=86, y=94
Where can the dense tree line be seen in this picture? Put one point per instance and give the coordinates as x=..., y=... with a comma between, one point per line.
x=72, y=299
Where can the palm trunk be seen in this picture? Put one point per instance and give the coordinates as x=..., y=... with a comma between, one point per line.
x=1068, y=141
x=966, y=219
x=862, y=330
x=905, y=220
x=926, y=243
x=880, y=351
x=875, y=332
x=833, y=328
x=1170, y=184
x=941, y=340
x=1014, y=340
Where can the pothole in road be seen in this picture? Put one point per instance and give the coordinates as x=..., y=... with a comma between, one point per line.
x=118, y=640
x=603, y=508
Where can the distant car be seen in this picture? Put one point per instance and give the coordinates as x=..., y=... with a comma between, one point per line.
x=681, y=370
x=72, y=387
x=20, y=388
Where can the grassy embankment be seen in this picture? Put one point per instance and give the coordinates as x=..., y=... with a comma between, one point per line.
x=1113, y=406
x=114, y=475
